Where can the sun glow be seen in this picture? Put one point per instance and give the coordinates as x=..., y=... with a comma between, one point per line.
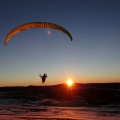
x=69, y=82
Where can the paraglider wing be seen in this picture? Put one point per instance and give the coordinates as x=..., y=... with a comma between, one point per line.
x=35, y=25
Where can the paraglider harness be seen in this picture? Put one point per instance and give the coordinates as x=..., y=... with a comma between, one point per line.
x=43, y=77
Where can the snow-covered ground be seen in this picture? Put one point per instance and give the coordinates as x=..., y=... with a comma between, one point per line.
x=15, y=110
x=47, y=103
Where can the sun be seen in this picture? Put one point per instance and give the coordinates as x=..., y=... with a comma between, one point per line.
x=69, y=82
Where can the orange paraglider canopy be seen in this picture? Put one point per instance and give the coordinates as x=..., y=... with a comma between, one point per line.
x=35, y=25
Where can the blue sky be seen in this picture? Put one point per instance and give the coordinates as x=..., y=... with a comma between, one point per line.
x=92, y=56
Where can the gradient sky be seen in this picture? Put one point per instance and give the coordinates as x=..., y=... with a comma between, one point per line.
x=92, y=56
